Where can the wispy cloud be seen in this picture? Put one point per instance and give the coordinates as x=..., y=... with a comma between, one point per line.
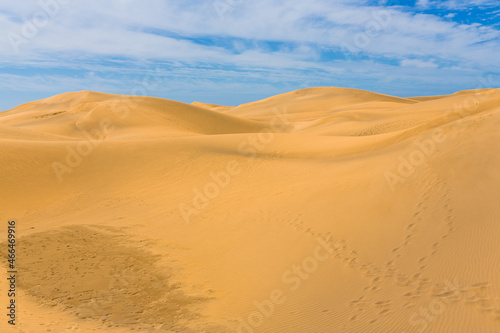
x=418, y=63
x=462, y=4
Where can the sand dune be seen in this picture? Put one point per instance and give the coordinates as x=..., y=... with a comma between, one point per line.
x=320, y=210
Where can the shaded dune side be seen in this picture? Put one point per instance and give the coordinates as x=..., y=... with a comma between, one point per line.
x=213, y=107
x=134, y=116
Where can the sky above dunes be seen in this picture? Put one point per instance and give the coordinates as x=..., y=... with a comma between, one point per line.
x=236, y=51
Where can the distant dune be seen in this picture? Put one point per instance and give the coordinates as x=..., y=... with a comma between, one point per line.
x=316, y=211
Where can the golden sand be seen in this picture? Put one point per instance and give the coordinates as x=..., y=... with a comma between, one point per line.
x=321, y=210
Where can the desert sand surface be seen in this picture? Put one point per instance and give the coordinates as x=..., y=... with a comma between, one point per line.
x=317, y=211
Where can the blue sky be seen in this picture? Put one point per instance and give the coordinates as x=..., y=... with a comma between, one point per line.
x=236, y=51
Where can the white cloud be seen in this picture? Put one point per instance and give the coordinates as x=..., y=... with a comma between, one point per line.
x=423, y=3
x=418, y=63
x=462, y=4
x=118, y=28
x=129, y=33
